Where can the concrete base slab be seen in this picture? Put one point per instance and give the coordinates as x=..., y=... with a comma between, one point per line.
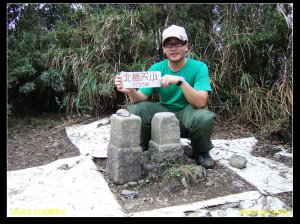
x=251, y=203
x=72, y=187
x=91, y=138
x=67, y=187
x=267, y=175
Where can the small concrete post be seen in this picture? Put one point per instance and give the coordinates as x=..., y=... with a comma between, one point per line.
x=124, y=154
x=165, y=141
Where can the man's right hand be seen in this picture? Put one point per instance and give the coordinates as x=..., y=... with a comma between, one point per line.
x=135, y=96
x=118, y=83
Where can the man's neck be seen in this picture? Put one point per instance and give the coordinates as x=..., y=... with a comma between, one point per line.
x=176, y=66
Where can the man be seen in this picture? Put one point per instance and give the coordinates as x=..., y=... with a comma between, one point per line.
x=184, y=90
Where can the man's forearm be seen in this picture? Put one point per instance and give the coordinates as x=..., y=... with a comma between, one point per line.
x=136, y=96
x=196, y=98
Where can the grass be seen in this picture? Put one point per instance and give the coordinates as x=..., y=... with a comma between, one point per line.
x=177, y=171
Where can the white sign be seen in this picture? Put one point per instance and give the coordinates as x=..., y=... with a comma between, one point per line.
x=140, y=79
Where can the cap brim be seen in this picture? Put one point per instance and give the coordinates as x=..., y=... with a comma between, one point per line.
x=176, y=36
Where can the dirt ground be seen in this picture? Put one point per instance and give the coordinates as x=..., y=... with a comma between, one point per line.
x=36, y=141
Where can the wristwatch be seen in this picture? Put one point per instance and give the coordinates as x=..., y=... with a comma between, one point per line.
x=180, y=81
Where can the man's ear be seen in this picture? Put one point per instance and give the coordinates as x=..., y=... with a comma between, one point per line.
x=187, y=47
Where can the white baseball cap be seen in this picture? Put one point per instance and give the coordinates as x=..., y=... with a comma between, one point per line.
x=174, y=31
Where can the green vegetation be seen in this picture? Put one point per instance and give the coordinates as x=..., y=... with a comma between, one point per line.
x=63, y=58
x=177, y=171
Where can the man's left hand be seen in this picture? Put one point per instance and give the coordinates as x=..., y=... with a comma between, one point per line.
x=166, y=80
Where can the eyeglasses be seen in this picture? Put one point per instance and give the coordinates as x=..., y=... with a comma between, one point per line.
x=177, y=44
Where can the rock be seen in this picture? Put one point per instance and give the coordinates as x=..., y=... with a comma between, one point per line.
x=238, y=161
x=104, y=122
x=230, y=205
x=277, y=156
x=63, y=167
x=209, y=183
x=238, y=184
x=56, y=145
x=185, y=182
x=132, y=183
x=173, y=187
x=187, y=150
x=194, y=177
x=140, y=182
x=197, y=175
x=130, y=194
x=153, y=170
x=123, y=113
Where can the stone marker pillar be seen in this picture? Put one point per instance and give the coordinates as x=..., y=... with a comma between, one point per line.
x=124, y=154
x=165, y=141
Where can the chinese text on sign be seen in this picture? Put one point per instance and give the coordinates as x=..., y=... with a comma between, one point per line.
x=140, y=79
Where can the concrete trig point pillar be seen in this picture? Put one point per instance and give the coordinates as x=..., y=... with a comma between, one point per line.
x=165, y=141
x=124, y=154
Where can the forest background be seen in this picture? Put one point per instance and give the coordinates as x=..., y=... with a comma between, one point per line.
x=62, y=58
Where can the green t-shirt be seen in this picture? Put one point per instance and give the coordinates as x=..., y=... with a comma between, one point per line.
x=194, y=72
